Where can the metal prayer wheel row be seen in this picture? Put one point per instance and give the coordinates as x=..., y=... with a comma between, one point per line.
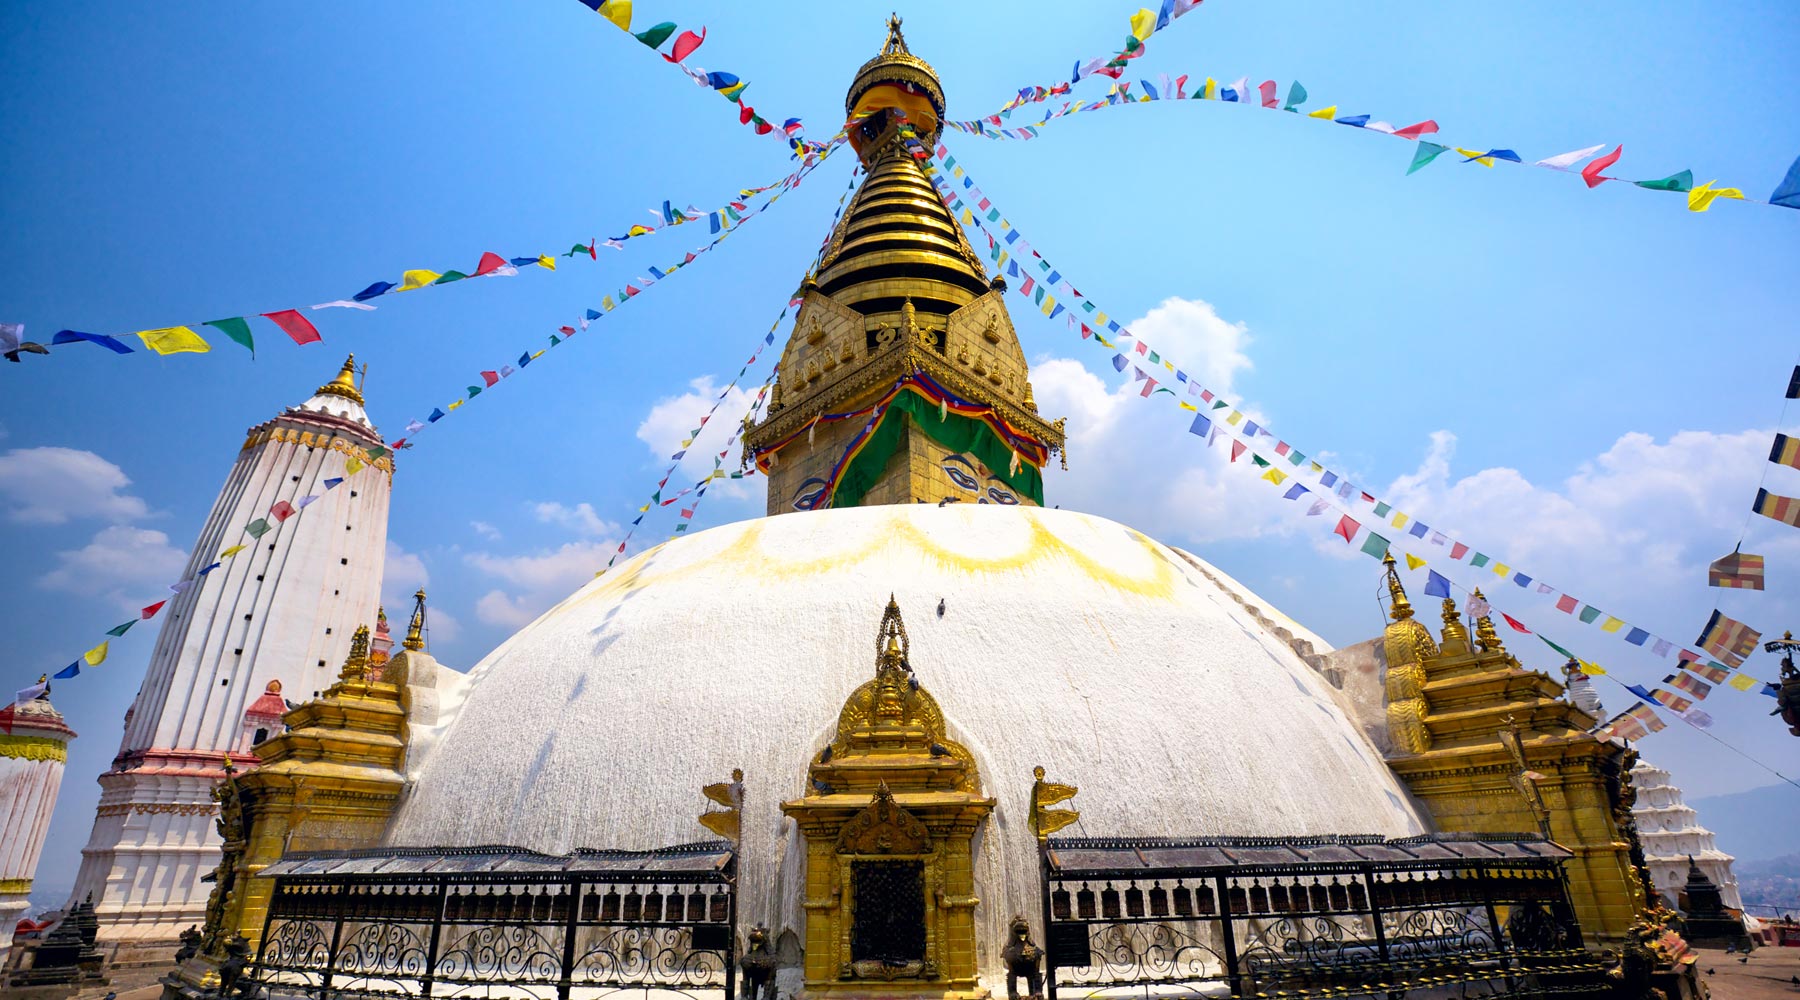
x=1347, y=894
x=542, y=903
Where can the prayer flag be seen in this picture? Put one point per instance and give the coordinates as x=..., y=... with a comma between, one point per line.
x=112, y=344
x=1676, y=703
x=1325, y=113
x=352, y=466
x=655, y=35
x=282, y=510
x=1318, y=507
x=685, y=45
x=173, y=340
x=238, y=330
x=1274, y=475
x=1517, y=626
x=1346, y=528
x=30, y=694
x=1674, y=182
x=1787, y=195
x=1591, y=172
x=1458, y=550
x=1480, y=559
x=491, y=378
x=1786, y=451
x=436, y=415
x=69, y=671
x=1636, y=636
x=1296, y=96
x=257, y=528
x=1237, y=450
x=1425, y=127
x=1418, y=529
x=150, y=611
x=118, y=630
x=1201, y=426
x=1777, y=507
x=377, y=289
x=1436, y=584
x=616, y=11
x=1566, y=604
x=1729, y=640
x=1713, y=672
x=1738, y=571
x=1701, y=198
x=1563, y=161
x=489, y=263
x=1381, y=509
x=1646, y=717
x=1521, y=579
x=1589, y=614
x=1375, y=546
x=417, y=279
x=1413, y=562
x=294, y=325
x=1427, y=152
x=1742, y=682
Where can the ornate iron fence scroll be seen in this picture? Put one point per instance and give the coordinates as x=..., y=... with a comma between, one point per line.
x=500, y=922
x=1252, y=915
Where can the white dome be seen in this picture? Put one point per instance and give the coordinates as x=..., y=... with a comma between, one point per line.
x=1066, y=640
x=337, y=406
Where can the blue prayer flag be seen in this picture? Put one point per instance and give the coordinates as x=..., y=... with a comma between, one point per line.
x=1359, y=121
x=334, y=482
x=1294, y=492
x=1521, y=579
x=1201, y=426
x=436, y=415
x=593, y=314
x=68, y=671
x=1418, y=529
x=208, y=569
x=1636, y=636
x=1328, y=478
x=1638, y=689
x=1436, y=584
x=381, y=287
x=112, y=344
x=1788, y=194
x=1119, y=362
x=524, y=359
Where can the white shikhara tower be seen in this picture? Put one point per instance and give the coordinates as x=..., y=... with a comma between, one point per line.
x=34, y=745
x=278, y=617
x=1671, y=832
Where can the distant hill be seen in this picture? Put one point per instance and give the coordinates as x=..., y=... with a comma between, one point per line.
x=1760, y=824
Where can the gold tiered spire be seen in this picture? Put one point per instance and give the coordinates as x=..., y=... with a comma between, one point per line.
x=415, y=629
x=345, y=383
x=1485, y=636
x=1456, y=638
x=1399, y=608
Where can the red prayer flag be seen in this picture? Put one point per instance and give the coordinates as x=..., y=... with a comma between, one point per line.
x=1281, y=447
x=1346, y=528
x=1591, y=172
x=1458, y=550
x=745, y=112
x=687, y=513
x=1425, y=127
x=1566, y=604
x=1237, y=449
x=685, y=45
x=490, y=262
x=282, y=510
x=150, y=612
x=567, y=331
x=295, y=326
x=1514, y=622
x=763, y=127
x=490, y=378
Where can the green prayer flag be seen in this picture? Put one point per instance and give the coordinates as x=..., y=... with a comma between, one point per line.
x=257, y=528
x=1589, y=614
x=1381, y=510
x=449, y=276
x=1428, y=151
x=236, y=329
x=1375, y=545
x=121, y=629
x=1296, y=96
x=1479, y=560
x=1261, y=462
x=474, y=391
x=1295, y=457
x=654, y=37
x=1087, y=306
x=553, y=340
x=1220, y=405
x=377, y=452
x=1559, y=649
x=1683, y=181
x=1155, y=357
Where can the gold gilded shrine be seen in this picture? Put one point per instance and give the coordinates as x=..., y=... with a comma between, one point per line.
x=898, y=291
x=889, y=821
x=1490, y=747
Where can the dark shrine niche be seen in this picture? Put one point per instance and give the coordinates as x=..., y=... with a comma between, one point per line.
x=888, y=924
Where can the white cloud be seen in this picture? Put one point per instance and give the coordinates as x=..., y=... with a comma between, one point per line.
x=405, y=571
x=485, y=530
x=554, y=572
x=496, y=608
x=57, y=485
x=440, y=625
x=121, y=562
x=580, y=518
x=670, y=421
x=1192, y=334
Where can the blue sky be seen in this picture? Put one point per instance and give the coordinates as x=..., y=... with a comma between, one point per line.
x=1584, y=381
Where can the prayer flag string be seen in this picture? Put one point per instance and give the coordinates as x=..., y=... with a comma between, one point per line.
x=1042, y=283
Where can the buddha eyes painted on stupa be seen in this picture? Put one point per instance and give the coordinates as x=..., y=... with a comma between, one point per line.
x=961, y=472
x=810, y=494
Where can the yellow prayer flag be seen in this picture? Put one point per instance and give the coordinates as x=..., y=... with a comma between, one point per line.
x=1316, y=467
x=1170, y=365
x=1476, y=155
x=607, y=303
x=352, y=466
x=1701, y=198
x=956, y=171
x=1099, y=319
x=1325, y=113
x=1592, y=669
x=1143, y=23
x=234, y=550
x=548, y=263
x=1274, y=475
x=1211, y=91
x=1413, y=562
x=968, y=217
x=95, y=656
x=618, y=12
x=1612, y=624
x=1400, y=522
x=1049, y=304
x=1191, y=408
x=1502, y=569
x=174, y=340
x=1743, y=682
x=416, y=279
x=1234, y=418
x=454, y=405
x=538, y=355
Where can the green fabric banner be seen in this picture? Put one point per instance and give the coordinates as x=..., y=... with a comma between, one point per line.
x=955, y=432
x=237, y=330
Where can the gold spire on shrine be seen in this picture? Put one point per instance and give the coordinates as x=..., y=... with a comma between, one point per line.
x=1456, y=637
x=1400, y=609
x=415, y=629
x=345, y=383
x=1485, y=636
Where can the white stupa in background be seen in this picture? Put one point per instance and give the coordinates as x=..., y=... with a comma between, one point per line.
x=1671, y=832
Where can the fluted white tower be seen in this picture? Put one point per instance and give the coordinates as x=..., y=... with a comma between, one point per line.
x=1671, y=832
x=281, y=611
x=34, y=745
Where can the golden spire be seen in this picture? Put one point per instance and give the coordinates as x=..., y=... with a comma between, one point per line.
x=1400, y=608
x=415, y=629
x=345, y=383
x=357, y=663
x=1456, y=637
x=1485, y=636
x=891, y=645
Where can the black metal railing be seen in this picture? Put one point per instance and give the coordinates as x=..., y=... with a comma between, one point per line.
x=1260, y=915
x=422, y=923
